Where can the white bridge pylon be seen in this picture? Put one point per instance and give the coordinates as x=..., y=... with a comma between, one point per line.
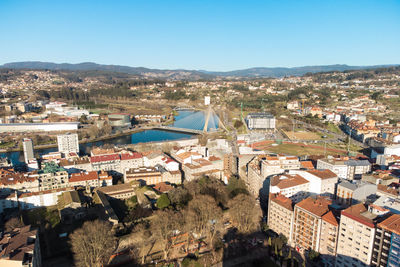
x=210, y=112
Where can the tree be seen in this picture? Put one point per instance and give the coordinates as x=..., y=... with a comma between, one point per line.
x=238, y=124
x=236, y=186
x=179, y=197
x=83, y=119
x=163, y=201
x=13, y=223
x=205, y=217
x=313, y=255
x=376, y=95
x=283, y=238
x=163, y=227
x=244, y=211
x=93, y=244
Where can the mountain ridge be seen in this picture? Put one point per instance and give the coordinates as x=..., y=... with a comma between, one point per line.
x=273, y=72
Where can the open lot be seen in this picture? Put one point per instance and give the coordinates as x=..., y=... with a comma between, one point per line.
x=300, y=149
x=302, y=135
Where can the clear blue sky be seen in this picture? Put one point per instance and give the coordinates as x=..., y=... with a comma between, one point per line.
x=212, y=35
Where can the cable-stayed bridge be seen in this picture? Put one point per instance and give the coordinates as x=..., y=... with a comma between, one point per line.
x=199, y=122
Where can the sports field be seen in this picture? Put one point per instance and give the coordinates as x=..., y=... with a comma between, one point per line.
x=302, y=135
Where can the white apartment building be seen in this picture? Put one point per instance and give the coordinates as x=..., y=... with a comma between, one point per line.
x=27, y=145
x=68, y=143
x=292, y=186
x=260, y=121
x=345, y=168
x=356, y=237
x=280, y=215
x=41, y=199
x=277, y=164
x=322, y=182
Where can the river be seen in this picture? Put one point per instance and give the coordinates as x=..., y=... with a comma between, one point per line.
x=185, y=119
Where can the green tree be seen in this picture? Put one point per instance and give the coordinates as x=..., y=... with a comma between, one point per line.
x=237, y=124
x=235, y=187
x=313, y=255
x=163, y=201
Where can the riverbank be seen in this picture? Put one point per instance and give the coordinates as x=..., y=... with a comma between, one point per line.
x=84, y=141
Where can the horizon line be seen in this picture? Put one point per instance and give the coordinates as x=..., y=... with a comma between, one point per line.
x=201, y=69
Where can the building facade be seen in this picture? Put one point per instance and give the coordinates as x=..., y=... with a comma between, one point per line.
x=68, y=143
x=260, y=120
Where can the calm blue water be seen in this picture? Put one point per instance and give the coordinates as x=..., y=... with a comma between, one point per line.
x=185, y=119
x=195, y=120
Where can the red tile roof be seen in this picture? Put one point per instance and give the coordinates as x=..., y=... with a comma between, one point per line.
x=307, y=164
x=135, y=155
x=355, y=212
x=84, y=176
x=330, y=218
x=287, y=180
x=163, y=187
x=391, y=224
x=283, y=201
x=323, y=174
x=101, y=158
x=317, y=206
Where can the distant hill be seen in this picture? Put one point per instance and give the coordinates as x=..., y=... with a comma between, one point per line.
x=89, y=66
x=296, y=71
x=181, y=74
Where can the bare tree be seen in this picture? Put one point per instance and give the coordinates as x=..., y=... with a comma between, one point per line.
x=163, y=227
x=204, y=216
x=93, y=244
x=244, y=211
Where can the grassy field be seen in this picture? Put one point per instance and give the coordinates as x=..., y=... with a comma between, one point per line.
x=302, y=135
x=299, y=149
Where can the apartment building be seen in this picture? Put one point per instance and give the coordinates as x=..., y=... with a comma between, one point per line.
x=307, y=222
x=131, y=160
x=68, y=143
x=24, y=182
x=322, y=182
x=73, y=165
x=356, y=236
x=280, y=215
x=277, y=164
x=345, y=168
x=145, y=175
x=260, y=120
x=292, y=186
x=27, y=145
x=202, y=166
x=348, y=193
x=328, y=239
x=387, y=243
x=110, y=162
x=53, y=180
x=41, y=199
x=118, y=191
x=90, y=179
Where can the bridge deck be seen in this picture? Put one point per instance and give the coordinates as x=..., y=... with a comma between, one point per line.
x=176, y=129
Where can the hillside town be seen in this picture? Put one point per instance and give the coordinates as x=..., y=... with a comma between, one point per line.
x=292, y=171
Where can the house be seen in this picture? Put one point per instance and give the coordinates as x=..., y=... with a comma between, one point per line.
x=20, y=247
